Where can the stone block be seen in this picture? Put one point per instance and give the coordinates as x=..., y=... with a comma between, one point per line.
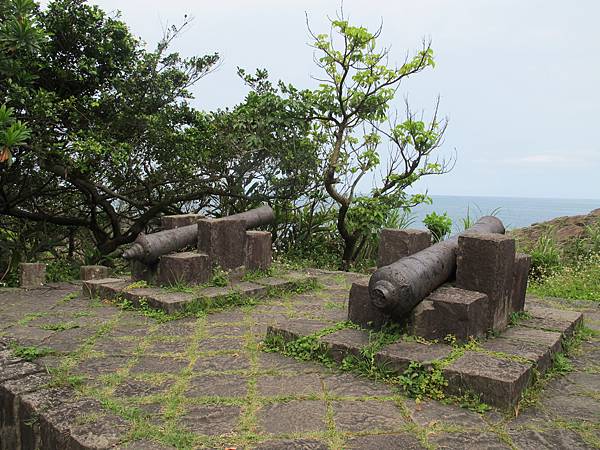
x=450, y=310
x=399, y=355
x=224, y=241
x=189, y=268
x=395, y=244
x=539, y=354
x=248, y=289
x=360, y=309
x=497, y=381
x=141, y=271
x=93, y=272
x=291, y=330
x=104, y=288
x=32, y=275
x=560, y=320
x=485, y=263
x=259, y=254
x=179, y=220
x=550, y=339
x=519, y=284
x=345, y=342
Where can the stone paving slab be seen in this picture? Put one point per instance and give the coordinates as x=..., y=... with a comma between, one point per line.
x=128, y=381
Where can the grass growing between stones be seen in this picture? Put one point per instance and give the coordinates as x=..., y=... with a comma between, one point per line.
x=30, y=353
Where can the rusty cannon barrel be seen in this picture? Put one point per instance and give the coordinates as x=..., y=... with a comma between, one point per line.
x=397, y=288
x=149, y=247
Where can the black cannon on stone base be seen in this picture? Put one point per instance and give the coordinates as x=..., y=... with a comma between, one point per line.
x=226, y=243
x=464, y=286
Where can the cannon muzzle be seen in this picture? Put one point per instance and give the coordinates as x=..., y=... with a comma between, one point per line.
x=397, y=288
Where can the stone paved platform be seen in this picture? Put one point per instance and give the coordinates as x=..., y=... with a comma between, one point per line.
x=498, y=370
x=118, y=379
x=174, y=301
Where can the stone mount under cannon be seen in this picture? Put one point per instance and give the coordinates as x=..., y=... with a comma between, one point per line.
x=226, y=243
x=465, y=286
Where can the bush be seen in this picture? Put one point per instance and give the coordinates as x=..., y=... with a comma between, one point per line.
x=545, y=257
x=439, y=225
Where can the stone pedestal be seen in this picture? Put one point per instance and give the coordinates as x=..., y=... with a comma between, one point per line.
x=258, y=250
x=179, y=220
x=360, y=309
x=224, y=241
x=93, y=272
x=450, y=311
x=519, y=287
x=485, y=263
x=183, y=268
x=32, y=275
x=143, y=272
x=395, y=244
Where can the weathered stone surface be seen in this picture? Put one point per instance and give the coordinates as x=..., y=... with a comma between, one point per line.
x=399, y=355
x=519, y=283
x=259, y=254
x=345, y=342
x=135, y=388
x=537, y=353
x=296, y=444
x=429, y=412
x=485, y=263
x=170, y=302
x=498, y=381
x=141, y=271
x=249, y=289
x=395, y=244
x=189, y=268
x=218, y=386
x=473, y=440
x=548, y=440
x=277, y=385
x=285, y=417
x=179, y=220
x=394, y=441
x=219, y=363
x=211, y=420
x=93, y=272
x=224, y=241
x=104, y=288
x=550, y=339
x=450, y=311
x=361, y=310
x=351, y=385
x=18, y=370
x=294, y=329
x=157, y=364
x=559, y=320
x=357, y=416
x=32, y=275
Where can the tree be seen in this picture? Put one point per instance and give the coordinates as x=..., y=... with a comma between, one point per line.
x=352, y=109
x=114, y=141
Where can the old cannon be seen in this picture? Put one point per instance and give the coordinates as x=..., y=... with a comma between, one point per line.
x=148, y=248
x=397, y=288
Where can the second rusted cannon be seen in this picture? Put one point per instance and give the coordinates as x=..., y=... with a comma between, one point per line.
x=148, y=248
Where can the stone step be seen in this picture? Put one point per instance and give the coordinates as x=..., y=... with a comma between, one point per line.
x=498, y=370
x=173, y=302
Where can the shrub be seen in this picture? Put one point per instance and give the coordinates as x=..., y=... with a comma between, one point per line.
x=439, y=225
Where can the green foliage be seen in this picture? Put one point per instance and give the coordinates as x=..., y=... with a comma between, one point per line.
x=518, y=316
x=61, y=269
x=351, y=108
x=29, y=353
x=419, y=381
x=220, y=278
x=13, y=133
x=60, y=326
x=440, y=226
x=545, y=257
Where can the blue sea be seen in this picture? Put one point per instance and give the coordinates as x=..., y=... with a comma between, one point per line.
x=515, y=212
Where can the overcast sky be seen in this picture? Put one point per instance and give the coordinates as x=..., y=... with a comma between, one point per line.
x=518, y=80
